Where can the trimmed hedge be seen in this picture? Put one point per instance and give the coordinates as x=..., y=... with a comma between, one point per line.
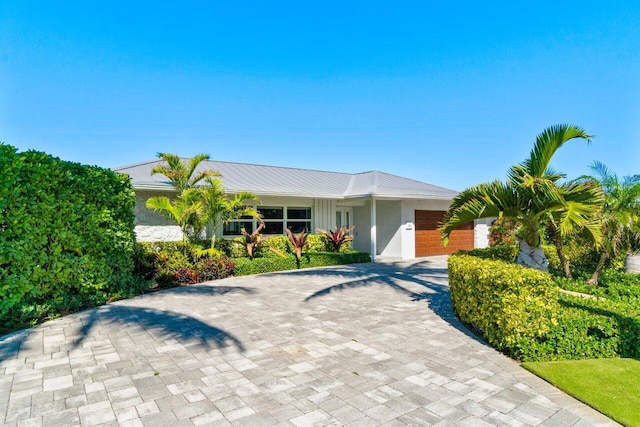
x=246, y=266
x=519, y=311
x=507, y=253
x=510, y=305
x=66, y=236
x=273, y=247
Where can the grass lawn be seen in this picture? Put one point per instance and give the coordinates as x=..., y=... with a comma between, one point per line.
x=612, y=386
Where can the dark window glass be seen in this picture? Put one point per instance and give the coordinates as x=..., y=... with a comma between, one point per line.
x=233, y=228
x=299, y=213
x=273, y=228
x=271, y=213
x=298, y=226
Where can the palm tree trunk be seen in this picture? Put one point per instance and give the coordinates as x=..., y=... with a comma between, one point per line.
x=596, y=274
x=564, y=262
x=632, y=264
x=532, y=256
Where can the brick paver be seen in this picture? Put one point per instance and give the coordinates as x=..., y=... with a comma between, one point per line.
x=369, y=344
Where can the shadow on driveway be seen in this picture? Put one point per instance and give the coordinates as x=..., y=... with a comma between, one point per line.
x=431, y=277
x=168, y=324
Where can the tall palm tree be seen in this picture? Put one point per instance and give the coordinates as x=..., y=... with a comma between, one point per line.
x=182, y=175
x=187, y=208
x=220, y=209
x=531, y=196
x=620, y=215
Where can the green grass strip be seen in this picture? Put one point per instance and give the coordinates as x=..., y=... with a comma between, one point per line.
x=612, y=386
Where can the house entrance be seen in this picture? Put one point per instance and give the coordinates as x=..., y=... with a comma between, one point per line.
x=344, y=217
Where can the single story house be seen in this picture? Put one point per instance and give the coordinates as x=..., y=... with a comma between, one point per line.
x=394, y=217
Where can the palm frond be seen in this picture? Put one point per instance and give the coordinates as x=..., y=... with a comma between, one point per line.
x=547, y=143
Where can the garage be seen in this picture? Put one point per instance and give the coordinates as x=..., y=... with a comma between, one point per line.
x=428, y=237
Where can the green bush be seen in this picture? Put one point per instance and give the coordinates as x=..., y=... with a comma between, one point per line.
x=246, y=266
x=507, y=253
x=508, y=304
x=66, y=236
x=172, y=264
x=518, y=311
x=232, y=247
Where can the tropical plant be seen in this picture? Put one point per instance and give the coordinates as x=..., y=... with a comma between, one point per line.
x=620, y=215
x=182, y=175
x=299, y=243
x=220, y=209
x=187, y=207
x=502, y=232
x=253, y=240
x=531, y=196
x=338, y=237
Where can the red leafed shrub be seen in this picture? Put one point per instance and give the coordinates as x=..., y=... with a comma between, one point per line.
x=502, y=232
x=215, y=268
x=185, y=276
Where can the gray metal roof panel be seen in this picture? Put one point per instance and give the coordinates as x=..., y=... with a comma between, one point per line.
x=285, y=181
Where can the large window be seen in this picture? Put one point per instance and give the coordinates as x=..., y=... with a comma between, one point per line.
x=276, y=219
x=299, y=219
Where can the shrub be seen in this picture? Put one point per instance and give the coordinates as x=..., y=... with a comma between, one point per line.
x=276, y=246
x=508, y=304
x=503, y=232
x=214, y=268
x=145, y=262
x=506, y=253
x=66, y=235
x=245, y=266
x=232, y=247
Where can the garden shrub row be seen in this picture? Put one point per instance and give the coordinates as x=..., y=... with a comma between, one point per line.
x=274, y=246
x=509, y=305
x=520, y=311
x=66, y=236
x=246, y=266
x=172, y=264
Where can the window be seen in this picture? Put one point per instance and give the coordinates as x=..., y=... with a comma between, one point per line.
x=275, y=218
x=233, y=228
x=299, y=219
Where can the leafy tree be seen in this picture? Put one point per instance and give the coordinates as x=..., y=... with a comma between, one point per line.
x=531, y=196
x=620, y=215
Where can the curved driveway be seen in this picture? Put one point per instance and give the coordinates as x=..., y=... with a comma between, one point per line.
x=369, y=344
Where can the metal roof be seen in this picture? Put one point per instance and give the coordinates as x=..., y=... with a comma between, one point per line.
x=284, y=181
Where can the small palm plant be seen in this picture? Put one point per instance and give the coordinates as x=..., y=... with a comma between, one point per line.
x=338, y=237
x=253, y=240
x=299, y=243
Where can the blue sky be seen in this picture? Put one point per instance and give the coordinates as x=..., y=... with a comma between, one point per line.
x=451, y=94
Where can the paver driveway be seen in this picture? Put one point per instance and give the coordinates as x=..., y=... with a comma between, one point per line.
x=371, y=344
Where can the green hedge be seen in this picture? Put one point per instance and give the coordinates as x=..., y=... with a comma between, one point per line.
x=510, y=305
x=273, y=247
x=66, y=236
x=519, y=311
x=245, y=266
x=507, y=253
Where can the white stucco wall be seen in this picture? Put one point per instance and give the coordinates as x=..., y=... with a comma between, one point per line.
x=153, y=227
x=481, y=232
x=389, y=237
x=362, y=232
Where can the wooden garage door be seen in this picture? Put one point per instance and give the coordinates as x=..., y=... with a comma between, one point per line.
x=428, y=237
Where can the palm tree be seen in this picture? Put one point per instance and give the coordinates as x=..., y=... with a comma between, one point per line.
x=620, y=215
x=182, y=175
x=187, y=208
x=220, y=210
x=531, y=196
